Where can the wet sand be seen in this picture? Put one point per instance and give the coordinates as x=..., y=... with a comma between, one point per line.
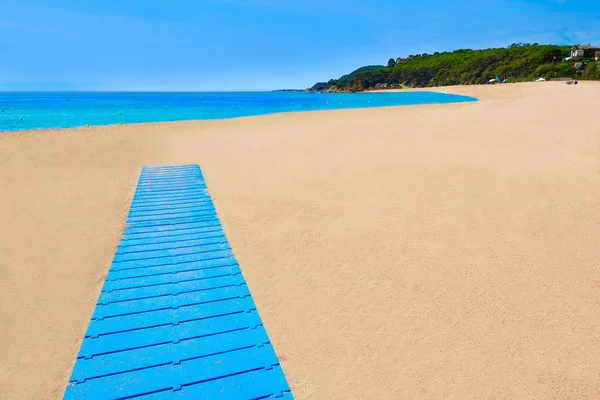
x=427, y=252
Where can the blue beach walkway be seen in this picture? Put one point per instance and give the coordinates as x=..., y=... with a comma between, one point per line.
x=175, y=318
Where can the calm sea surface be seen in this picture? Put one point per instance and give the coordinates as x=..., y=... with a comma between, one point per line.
x=33, y=110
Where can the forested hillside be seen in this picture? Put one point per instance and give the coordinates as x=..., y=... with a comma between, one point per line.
x=345, y=79
x=518, y=62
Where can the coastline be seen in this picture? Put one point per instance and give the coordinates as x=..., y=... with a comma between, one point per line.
x=205, y=123
x=410, y=251
x=145, y=111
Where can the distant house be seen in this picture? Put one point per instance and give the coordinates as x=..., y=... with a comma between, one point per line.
x=597, y=55
x=401, y=60
x=588, y=51
x=576, y=52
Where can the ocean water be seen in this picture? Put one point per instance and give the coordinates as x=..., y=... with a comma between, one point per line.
x=40, y=110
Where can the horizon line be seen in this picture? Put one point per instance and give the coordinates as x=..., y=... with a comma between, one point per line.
x=148, y=91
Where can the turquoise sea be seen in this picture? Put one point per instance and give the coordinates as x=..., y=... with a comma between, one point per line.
x=39, y=110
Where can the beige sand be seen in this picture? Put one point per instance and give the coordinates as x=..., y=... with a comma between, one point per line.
x=403, y=253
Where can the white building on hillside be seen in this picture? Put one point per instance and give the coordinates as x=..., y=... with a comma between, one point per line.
x=577, y=52
x=582, y=51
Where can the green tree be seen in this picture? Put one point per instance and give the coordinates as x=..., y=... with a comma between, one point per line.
x=465, y=66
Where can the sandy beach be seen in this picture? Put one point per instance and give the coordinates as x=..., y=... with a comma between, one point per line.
x=427, y=252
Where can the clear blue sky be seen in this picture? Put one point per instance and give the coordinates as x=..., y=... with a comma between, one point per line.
x=256, y=44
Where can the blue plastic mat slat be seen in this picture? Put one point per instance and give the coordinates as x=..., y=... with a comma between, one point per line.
x=175, y=317
x=185, y=258
x=171, y=268
x=182, y=177
x=170, y=217
x=188, y=195
x=149, y=171
x=161, y=180
x=252, y=385
x=168, y=235
x=167, y=316
x=171, y=235
x=197, y=204
x=158, y=255
x=163, y=223
x=166, y=192
x=162, y=186
x=169, y=289
x=157, y=203
x=164, y=302
x=169, y=211
x=163, y=354
x=162, y=200
x=175, y=200
x=126, y=242
x=170, y=167
x=141, y=249
x=154, y=204
x=146, y=173
x=172, y=201
x=128, y=340
x=143, y=192
x=176, y=375
x=175, y=179
x=170, y=171
x=173, y=277
x=151, y=231
x=149, y=175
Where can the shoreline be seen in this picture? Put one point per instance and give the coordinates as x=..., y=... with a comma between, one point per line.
x=471, y=99
x=249, y=117
x=477, y=94
x=453, y=245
